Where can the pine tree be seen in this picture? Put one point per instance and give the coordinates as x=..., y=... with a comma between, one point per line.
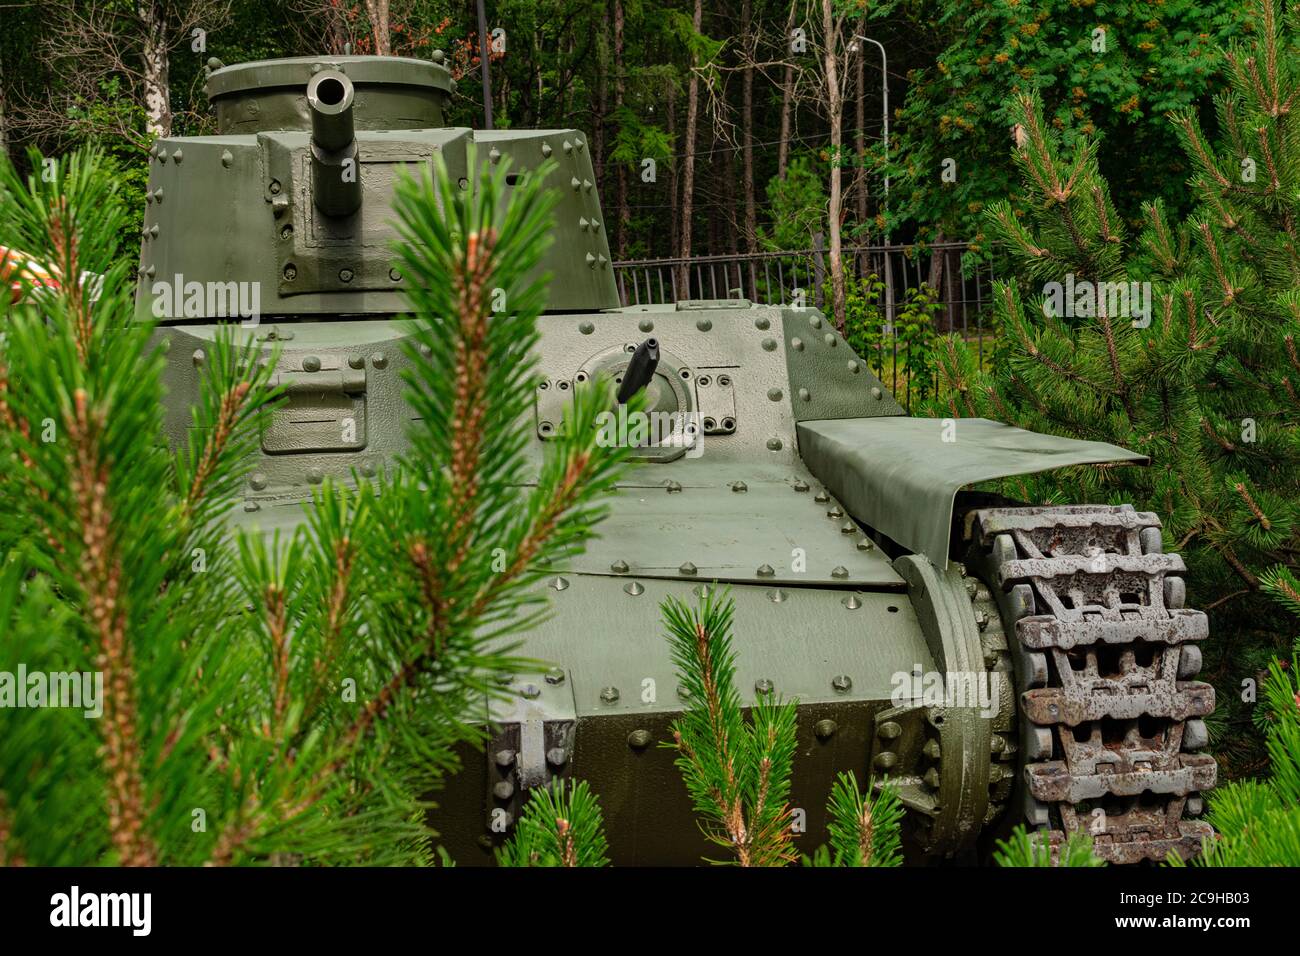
x=560, y=826
x=1021, y=849
x=312, y=726
x=737, y=771
x=1258, y=821
x=1205, y=384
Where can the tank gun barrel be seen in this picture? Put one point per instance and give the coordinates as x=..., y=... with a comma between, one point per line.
x=640, y=370
x=335, y=171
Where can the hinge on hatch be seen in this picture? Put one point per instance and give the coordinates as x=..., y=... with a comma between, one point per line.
x=531, y=746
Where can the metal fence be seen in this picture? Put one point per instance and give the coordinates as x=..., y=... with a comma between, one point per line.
x=960, y=288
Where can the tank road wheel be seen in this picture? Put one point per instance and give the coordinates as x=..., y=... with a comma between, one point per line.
x=1103, y=649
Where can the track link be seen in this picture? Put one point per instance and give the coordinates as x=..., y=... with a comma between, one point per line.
x=1104, y=651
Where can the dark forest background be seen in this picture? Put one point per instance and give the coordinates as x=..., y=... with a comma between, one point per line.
x=730, y=100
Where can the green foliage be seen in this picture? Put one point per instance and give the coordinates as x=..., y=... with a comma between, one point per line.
x=103, y=521
x=1024, y=849
x=798, y=206
x=1156, y=59
x=737, y=772
x=1206, y=387
x=864, y=831
x=560, y=826
x=911, y=349
x=1258, y=821
x=312, y=725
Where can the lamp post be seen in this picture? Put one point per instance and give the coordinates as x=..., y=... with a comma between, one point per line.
x=884, y=92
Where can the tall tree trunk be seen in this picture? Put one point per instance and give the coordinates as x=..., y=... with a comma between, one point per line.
x=4, y=130
x=674, y=223
x=787, y=96
x=624, y=213
x=747, y=127
x=835, y=109
x=735, y=227
x=380, y=26
x=688, y=161
x=716, y=169
x=157, y=93
x=602, y=103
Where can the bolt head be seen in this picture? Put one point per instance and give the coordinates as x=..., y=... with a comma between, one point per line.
x=842, y=683
x=555, y=676
x=609, y=695
x=763, y=686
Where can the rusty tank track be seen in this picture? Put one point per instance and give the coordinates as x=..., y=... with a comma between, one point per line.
x=1103, y=649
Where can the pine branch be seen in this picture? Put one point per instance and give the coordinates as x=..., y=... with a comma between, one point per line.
x=864, y=831
x=561, y=826
x=1023, y=849
x=737, y=774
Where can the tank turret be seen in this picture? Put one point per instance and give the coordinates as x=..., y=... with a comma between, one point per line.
x=294, y=193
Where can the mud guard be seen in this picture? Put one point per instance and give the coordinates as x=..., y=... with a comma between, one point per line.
x=901, y=475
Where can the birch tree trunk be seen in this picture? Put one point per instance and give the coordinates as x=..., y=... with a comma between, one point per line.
x=834, y=109
x=380, y=26
x=688, y=161
x=157, y=91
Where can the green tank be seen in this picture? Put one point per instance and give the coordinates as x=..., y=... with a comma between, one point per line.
x=997, y=663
